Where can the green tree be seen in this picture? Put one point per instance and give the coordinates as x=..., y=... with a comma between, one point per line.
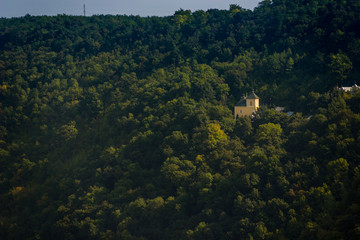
x=68, y=131
x=269, y=134
x=340, y=65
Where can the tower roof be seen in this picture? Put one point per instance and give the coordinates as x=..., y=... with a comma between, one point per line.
x=252, y=96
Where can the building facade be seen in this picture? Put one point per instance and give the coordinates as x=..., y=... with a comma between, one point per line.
x=247, y=106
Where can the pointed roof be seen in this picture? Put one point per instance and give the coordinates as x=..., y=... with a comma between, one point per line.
x=241, y=103
x=252, y=96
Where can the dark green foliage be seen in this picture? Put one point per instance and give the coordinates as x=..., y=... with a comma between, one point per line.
x=121, y=127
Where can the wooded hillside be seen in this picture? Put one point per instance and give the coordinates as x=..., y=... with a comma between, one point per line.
x=121, y=127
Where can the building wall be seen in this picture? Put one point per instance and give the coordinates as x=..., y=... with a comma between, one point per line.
x=252, y=103
x=246, y=111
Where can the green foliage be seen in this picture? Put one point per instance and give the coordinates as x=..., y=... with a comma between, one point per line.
x=215, y=136
x=68, y=131
x=121, y=127
x=340, y=65
x=269, y=134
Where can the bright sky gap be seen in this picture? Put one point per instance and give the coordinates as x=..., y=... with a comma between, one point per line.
x=19, y=8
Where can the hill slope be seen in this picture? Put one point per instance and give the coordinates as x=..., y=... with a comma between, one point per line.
x=122, y=127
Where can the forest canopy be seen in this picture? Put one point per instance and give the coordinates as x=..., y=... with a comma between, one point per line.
x=122, y=127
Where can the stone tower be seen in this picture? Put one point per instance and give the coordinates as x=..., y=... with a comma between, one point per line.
x=247, y=106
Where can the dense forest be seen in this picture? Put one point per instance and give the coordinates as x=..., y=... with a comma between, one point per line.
x=122, y=127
